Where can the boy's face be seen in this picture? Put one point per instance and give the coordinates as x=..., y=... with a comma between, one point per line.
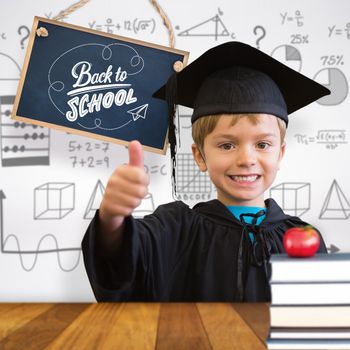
x=242, y=160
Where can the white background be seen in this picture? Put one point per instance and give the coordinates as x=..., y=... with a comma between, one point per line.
x=60, y=276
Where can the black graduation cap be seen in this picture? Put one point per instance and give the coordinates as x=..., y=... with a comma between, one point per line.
x=237, y=78
x=296, y=89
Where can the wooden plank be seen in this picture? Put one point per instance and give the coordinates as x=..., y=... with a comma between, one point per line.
x=112, y=326
x=257, y=315
x=136, y=328
x=226, y=329
x=41, y=330
x=90, y=329
x=16, y=315
x=180, y=327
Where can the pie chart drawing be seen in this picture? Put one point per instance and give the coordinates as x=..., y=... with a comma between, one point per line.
x=288, y=55
x=335, y=80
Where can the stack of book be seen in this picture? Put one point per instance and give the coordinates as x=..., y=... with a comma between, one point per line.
x=310, y=302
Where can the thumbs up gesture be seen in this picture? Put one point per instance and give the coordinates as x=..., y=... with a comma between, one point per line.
x=126, y=188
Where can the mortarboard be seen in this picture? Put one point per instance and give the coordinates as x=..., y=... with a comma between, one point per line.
x=237, y=78
x=296, y=89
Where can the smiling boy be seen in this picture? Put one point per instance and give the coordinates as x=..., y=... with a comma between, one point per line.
x=218, y=250
x=242, y=155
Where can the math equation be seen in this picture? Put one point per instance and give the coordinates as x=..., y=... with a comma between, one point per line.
x=331, y=139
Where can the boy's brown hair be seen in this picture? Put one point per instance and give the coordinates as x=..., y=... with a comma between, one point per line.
x=204, y=126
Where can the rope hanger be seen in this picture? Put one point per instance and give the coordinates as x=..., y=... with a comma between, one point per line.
x=44, y=33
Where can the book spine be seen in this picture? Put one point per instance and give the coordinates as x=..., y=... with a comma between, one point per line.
x=310, y=293
x=295, y=271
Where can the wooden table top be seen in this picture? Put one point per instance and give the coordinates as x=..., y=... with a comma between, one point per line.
x=134, y=326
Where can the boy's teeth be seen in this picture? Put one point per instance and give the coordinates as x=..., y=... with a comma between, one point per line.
x=245, y=178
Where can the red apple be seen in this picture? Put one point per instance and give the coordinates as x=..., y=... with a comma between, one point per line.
x=301, y=241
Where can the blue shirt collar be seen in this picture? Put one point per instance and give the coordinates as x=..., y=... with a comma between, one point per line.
x=238, y=210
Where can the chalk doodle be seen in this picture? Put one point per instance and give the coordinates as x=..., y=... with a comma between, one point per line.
x=212, y=27
x=331, y=139
x=38, y=250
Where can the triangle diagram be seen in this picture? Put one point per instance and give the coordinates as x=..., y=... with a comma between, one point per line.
x=336, y=205
x=94, y=201
x=211, y=27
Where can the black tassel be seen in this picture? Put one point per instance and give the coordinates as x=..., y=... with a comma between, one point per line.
x=171, y=98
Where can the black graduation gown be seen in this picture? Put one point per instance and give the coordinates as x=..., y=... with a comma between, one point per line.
x=183, y=254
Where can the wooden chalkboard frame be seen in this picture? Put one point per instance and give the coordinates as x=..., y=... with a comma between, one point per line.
x=33, y=37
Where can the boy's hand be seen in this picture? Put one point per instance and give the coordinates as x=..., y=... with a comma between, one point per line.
x=126, y=188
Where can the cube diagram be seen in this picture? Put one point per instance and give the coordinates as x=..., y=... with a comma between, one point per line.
x=53, y=200
x=292, y=197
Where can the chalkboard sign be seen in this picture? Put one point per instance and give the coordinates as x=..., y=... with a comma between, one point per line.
x=95, y=84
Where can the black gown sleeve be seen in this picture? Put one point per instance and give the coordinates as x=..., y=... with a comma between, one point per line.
x=149, y=250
